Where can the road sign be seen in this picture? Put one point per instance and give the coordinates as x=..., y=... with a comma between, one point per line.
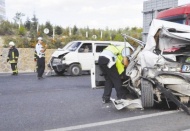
x=46, y=30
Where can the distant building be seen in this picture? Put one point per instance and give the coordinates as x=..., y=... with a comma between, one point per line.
x=2, y=10
x=150, y=10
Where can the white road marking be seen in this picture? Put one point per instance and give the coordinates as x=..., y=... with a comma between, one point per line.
x=111, y=121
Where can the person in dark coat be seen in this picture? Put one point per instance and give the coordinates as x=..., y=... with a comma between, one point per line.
x=13, y=57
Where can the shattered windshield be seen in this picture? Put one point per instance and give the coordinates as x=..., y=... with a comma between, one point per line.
x=72, y=46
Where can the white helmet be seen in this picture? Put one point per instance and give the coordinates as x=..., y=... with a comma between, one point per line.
x=39, y=38
x=11, y=43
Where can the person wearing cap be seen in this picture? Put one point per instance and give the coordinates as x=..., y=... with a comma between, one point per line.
x=40, y=53
x=112, y=61
x=13, y=57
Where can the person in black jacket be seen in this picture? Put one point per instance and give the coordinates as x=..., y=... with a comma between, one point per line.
x=13, y=57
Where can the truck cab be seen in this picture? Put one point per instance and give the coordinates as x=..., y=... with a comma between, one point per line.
x=179, y=14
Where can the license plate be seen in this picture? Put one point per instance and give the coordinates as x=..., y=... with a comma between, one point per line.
x=185, y=68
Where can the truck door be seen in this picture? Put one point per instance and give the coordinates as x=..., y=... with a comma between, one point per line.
x=85, y=56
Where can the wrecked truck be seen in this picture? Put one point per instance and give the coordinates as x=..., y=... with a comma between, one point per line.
x=160, y=68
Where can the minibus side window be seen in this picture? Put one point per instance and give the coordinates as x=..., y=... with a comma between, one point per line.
x=86, y=48
x=100, y=48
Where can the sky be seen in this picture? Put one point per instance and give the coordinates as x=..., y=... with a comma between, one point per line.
x=98, y=14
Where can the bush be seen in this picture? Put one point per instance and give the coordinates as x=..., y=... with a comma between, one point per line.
x=6, y=28
x=22, y=31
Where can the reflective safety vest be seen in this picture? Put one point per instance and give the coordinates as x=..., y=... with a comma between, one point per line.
x=117, y=51
x=35, y=55
x=13, y=55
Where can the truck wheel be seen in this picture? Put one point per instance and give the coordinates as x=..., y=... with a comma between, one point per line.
x=74, y=70
x=147, y=96
x=60, y=73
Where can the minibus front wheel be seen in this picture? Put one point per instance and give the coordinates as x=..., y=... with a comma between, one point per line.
x=74, y=70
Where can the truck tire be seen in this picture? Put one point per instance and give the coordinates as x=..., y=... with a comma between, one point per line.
x=147, y=96
x=74, y=70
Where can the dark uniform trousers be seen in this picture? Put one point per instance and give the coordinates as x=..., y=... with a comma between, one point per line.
x=41, y=66
x=112, y=78
x=14, y=68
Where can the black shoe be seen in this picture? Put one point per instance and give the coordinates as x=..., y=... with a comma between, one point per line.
x=106, y=101
x=40, y=78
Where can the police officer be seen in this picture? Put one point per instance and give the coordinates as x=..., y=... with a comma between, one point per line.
x=40, y=51
x=13, y=57
x=112, y=62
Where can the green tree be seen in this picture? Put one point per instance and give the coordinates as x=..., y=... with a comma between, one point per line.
x=118, y=37
x=62, y=36
x=33, y=27
x=58, y=30
x=75, y=30
x=6, y=28
x=18, y=18
x=22, y=31
x=27, y=24
x=66, y=31
x=34, y=23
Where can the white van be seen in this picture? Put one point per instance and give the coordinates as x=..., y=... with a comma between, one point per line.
x=77, y=56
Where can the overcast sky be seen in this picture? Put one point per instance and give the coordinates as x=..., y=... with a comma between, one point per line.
x=113, y=14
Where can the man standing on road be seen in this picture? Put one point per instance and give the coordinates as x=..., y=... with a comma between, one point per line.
x=13, y=57
x=113, y=61
x=40, y=51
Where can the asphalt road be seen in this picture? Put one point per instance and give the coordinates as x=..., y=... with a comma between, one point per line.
x=68, y=103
